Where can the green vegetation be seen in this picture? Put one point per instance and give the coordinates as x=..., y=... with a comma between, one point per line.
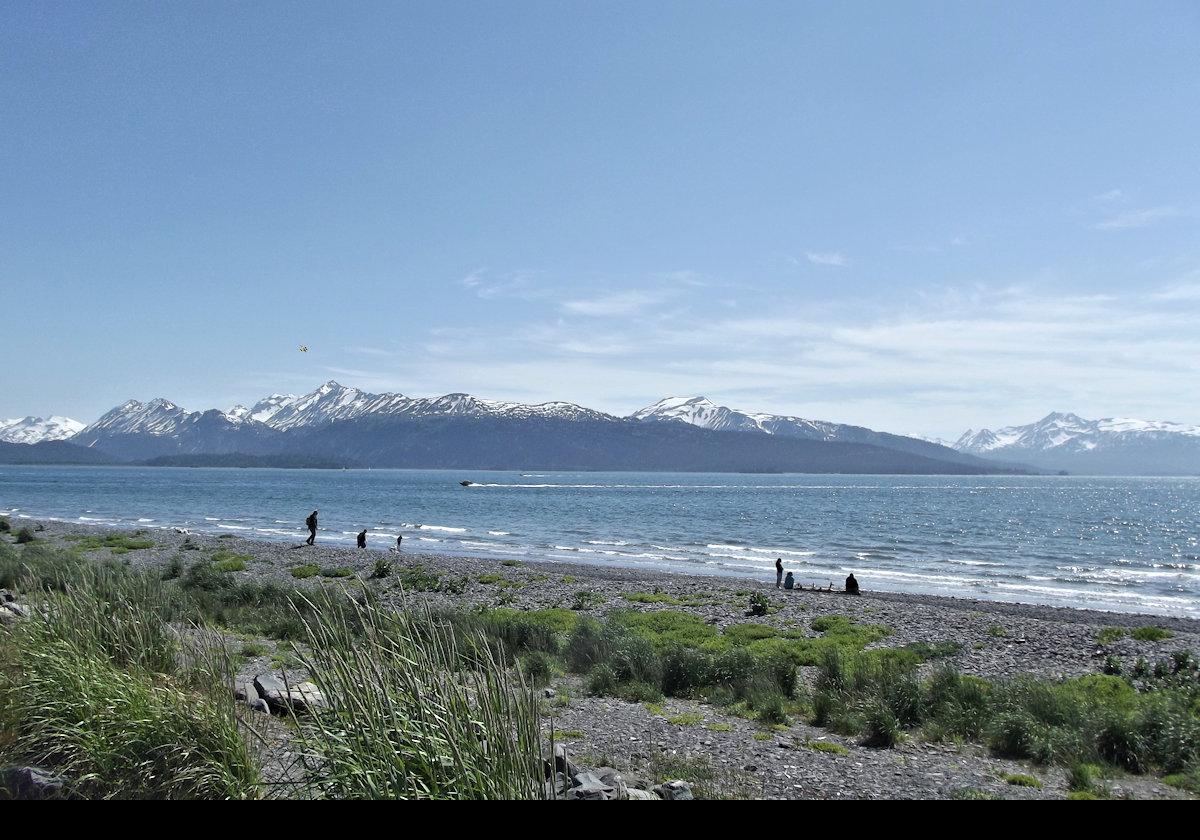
x=827, y=747
x=1146, y=720
x=1022, y=780
x=118, y=543
x=382, y=569
x=1150, y=634
x=225, y=561
x=408, y=732
x=760, y=604
x=96, y=687
x=659, y=597
x=1108, y=635
x=101, y=689
x=306, y=571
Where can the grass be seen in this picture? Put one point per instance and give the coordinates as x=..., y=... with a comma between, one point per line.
x=95, y=690
x=826, y=747
x=118, y=543
x=410, y=731
x=103, y=691
x=1022, y=780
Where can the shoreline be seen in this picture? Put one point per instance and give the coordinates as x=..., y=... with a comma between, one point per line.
x=995, y=641
x=542, y=584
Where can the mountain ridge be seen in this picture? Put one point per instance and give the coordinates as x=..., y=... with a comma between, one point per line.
x=274, y=426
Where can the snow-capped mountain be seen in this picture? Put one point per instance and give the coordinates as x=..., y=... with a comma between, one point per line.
x=334, y=403
x=36, y=429
x=346, y=425
x=264, y=409
x=1117, y=446
x=699, y=411
x=338, y=426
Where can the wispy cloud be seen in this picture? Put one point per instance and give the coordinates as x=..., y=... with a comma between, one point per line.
x=619, y=303
x=1137, y=218
x=836, y=258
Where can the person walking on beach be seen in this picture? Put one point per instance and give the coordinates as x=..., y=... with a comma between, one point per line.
x=778, y=572
x=311, y=522
x=399, y=541
x=362, y=538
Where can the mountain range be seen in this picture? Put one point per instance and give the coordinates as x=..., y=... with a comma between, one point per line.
x=339, y=426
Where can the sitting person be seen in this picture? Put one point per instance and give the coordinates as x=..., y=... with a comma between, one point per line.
x=789, y=582
x=851, y=585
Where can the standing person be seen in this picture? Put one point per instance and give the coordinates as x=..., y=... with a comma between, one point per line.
x=311, y=522
x=778, y=572
x=362, y=538
x=399, y=541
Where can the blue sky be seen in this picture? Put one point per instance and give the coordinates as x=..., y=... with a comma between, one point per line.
x=920, y=217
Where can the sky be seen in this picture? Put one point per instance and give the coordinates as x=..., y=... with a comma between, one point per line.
x=918, y=217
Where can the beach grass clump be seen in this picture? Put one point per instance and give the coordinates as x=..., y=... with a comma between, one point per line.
x=1108, y=635
x=1022, y=780
x=118, y=543
x=224, y=561
x=1150, y=634
x=420, y=579
x=308, y=570
x=383, y=568
x=38, y=566
x=93, y=687
x=870, y=694
x=408, y=720
x=267, y=609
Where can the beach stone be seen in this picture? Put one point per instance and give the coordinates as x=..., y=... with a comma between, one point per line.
x=677, y=789
x=27, y=783
x=281, y=696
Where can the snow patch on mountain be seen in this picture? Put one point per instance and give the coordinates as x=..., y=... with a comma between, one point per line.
x=37, y=429
x=1065, y=431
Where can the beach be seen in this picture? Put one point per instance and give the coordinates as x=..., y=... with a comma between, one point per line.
x=994, y=641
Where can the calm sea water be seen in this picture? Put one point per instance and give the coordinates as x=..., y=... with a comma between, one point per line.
x=1123, y=544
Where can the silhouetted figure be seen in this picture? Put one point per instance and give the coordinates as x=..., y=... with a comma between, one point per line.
x=311, y=522
x=362, y=538
x=399, y=541
x=778, y=572
x=851, y=585
x=789, y=582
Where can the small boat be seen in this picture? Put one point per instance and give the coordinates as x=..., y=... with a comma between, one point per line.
x=466, y=483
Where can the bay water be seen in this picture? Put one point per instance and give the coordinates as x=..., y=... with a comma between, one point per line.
x=1119, y=544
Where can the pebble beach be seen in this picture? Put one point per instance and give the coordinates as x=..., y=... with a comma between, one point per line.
x=994, y=641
